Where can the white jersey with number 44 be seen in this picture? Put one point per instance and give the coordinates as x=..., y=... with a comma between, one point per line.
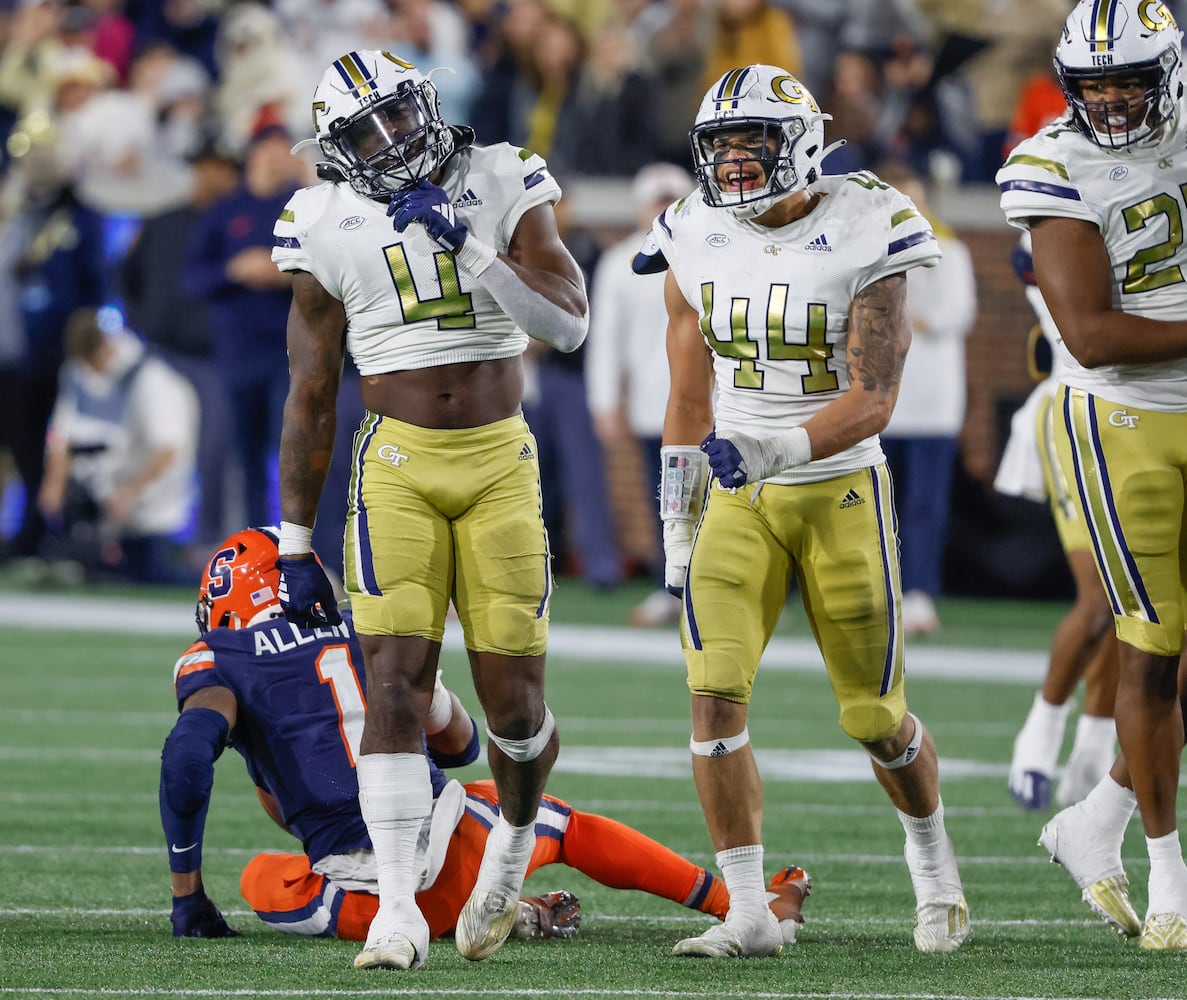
x=774, y=303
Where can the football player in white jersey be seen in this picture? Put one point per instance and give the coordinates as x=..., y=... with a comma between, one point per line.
x=787, y=330
x=1103, y=193
x=432, y=260
x=1084, y=644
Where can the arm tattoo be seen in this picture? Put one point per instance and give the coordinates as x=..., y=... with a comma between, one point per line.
x=879, y=315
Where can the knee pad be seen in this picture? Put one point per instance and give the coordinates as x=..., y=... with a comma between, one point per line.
x=720, y=747
x=522, y=751
x=909, y=754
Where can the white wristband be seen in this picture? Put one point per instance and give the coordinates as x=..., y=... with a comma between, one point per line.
x=474, y=255
x=295, y=539
x=795, y=447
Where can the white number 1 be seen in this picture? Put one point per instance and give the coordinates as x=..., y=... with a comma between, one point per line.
x=334, y=668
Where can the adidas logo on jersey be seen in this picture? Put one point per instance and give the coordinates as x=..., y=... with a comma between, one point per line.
x=851, y=499
x=525, y=453
x=820, y=243
x=468, y=200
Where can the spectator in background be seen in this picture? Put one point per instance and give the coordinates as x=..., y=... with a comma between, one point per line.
x=108, y=141
x=433, y=34
x=119, y=460
x=177, y=89
x=626, y=367
x=607, y=130
x=505, y=55
x=674, y=38
x=257, y=69
x=856, y=102
x=572, y=466
x=1040, y=102
x=177, y=324
x=57, y=253
x=229, y=266
x=30, y=57
x=922, y=439
x=984, y=50
x=543, y=94
x=747, y=32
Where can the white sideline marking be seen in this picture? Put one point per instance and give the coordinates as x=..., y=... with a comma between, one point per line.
x=828, y=766
x=576, y=642
x=809, y=858
x=389, y=991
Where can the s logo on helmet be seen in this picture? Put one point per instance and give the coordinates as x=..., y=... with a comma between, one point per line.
x=1155, y=15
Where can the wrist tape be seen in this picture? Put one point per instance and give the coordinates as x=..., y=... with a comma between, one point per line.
x=684, y=471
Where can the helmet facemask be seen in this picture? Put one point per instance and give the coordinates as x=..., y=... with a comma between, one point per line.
x=392, y=143
x=758, y=137
x=745, y=165
x=1116, y=124
x=1120, y=66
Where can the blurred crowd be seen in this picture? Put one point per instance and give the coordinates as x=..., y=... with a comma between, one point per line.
x=146, y=155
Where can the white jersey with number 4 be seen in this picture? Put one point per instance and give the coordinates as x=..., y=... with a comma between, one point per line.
x=774, y=303
x=408, y=304
x=1137, y=198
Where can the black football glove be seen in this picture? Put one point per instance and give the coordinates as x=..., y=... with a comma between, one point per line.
x=196, y=916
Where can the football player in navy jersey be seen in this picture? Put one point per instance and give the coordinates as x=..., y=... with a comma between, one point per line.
x=291, y=701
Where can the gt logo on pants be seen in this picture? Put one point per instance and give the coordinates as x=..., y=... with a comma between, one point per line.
x=391, y=454
x=1120, y=418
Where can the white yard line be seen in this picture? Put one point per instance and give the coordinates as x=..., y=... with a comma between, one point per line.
x=577, y=642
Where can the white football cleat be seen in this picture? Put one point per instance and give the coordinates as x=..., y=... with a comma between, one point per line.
x=735, y=938
x=395, y=943
x=1073, y=843
x=941, y=926
x=1164, y=932
x=1036, y=752
x=941, y=911
x=485, y=923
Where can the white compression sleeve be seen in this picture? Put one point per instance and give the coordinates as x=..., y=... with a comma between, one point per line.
x=530, y=311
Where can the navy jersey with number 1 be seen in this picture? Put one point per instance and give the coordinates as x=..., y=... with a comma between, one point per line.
x=302, y=696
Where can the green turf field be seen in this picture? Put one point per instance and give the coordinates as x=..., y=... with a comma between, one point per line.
x=84, y=887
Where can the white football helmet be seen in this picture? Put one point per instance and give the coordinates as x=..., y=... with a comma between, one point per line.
x=1117, y=40
x=768, y=115
x=378, y=120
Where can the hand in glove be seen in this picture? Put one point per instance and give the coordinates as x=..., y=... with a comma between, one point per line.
x=196, y=916
x=740, y=459
x=306, y=593
x=430, y=206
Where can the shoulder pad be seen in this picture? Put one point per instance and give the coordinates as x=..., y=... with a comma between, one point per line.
x=331, y=173
x=650, y=259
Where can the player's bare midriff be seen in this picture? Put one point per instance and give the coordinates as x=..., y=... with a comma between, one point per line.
x=468, y=394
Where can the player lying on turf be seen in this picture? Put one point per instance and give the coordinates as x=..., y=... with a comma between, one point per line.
x=291, y=702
